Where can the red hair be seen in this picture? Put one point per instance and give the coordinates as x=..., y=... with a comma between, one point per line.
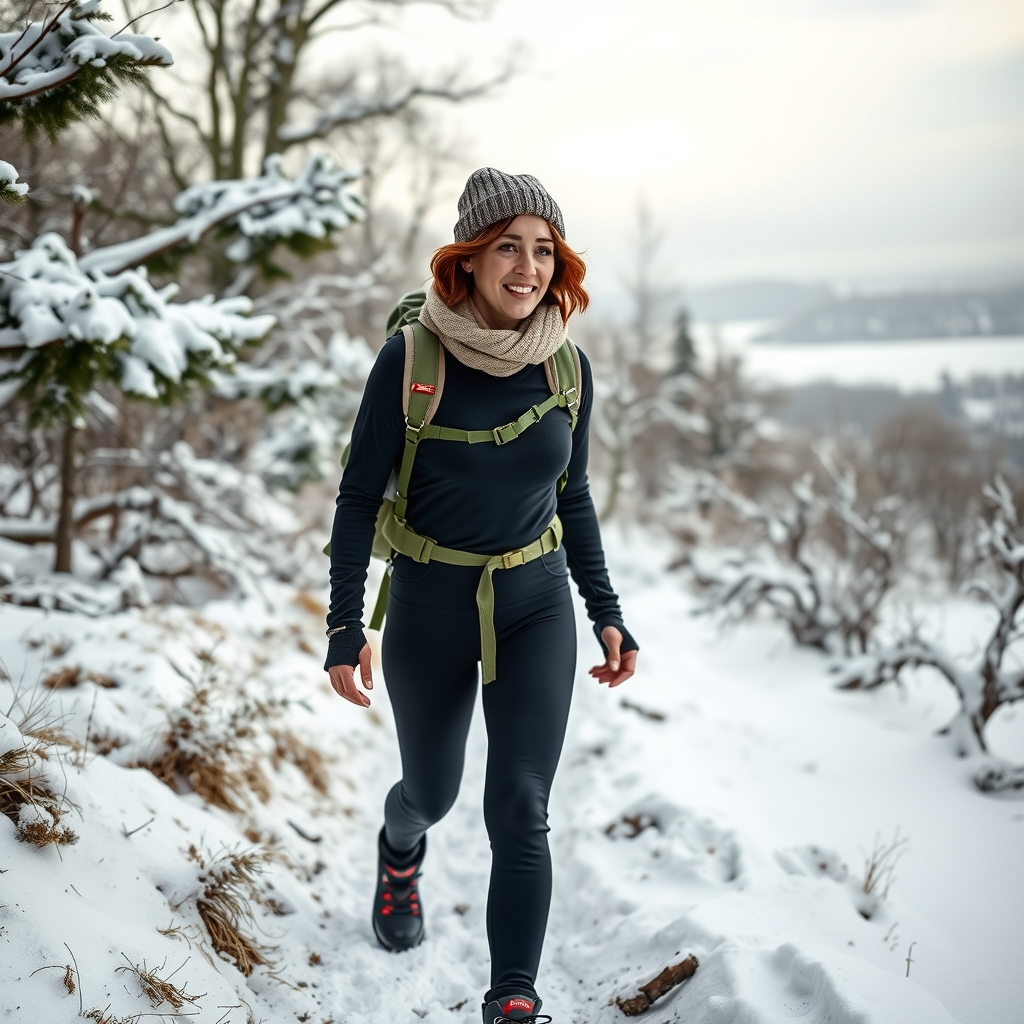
x=453, y=284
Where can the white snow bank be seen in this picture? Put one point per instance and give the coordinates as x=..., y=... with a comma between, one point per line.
x=692, y=832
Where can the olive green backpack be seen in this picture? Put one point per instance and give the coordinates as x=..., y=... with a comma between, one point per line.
x=423, y=386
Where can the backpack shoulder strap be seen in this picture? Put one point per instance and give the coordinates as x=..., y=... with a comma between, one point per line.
x=422, y=387
x=424, y=374
x=566, y=376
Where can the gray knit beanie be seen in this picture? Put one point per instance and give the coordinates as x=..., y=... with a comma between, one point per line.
x=491, y=196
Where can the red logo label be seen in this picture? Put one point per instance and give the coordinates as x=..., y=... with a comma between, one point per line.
x=426, y=389
x=518, y=1004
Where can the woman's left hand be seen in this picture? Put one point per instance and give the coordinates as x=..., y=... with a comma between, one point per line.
x=617, y=668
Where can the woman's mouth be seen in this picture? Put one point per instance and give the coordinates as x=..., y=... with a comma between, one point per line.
x=520, y=289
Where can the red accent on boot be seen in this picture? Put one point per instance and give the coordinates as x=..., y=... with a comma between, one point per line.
x=518, y=1003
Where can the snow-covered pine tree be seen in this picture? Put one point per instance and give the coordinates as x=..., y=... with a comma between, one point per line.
x=54, y=72
x=68, y=325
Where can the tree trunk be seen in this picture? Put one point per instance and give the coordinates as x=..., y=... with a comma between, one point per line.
x=65, y=522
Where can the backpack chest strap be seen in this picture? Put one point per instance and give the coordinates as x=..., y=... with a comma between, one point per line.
x=497, y=435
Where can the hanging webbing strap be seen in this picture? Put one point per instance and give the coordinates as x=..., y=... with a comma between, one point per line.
x=422, y=549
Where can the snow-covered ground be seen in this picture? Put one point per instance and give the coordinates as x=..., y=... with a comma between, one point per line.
x=759, y=790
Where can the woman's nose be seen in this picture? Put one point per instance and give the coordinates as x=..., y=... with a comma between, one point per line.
x=525, y=264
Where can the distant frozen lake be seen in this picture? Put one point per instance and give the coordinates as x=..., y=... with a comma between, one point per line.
x=908, y=365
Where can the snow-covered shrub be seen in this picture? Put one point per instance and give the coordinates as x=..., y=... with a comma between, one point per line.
x=994, y=678
x=821, y=559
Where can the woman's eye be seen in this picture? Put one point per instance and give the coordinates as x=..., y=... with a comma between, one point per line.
x=543, y=251
x=507, y=247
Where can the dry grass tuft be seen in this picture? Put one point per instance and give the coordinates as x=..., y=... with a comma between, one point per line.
x=309, y=603
x=69, y=979
x=26, y=798
x=211, y=745
x=159, y=990
x=880, y=866
x=65, y=678
x=230, y=887
x=103, y=680
x=105, y=743
x=106, y=1017
x=310, y=761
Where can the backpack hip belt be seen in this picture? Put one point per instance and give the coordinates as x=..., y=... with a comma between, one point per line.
x=406, y=541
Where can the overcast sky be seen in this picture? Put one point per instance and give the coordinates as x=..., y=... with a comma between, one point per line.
x=855, y=140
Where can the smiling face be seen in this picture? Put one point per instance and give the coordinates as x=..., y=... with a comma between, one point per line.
x=511, y=276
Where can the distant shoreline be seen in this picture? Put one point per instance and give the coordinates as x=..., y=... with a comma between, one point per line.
x=773, y=341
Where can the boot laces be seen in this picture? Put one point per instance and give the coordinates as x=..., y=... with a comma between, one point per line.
x=400, y=895
x=534, y=1018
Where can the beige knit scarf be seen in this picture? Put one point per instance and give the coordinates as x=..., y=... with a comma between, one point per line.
x=500, y=353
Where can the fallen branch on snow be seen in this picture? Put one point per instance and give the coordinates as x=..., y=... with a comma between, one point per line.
x=658, y=986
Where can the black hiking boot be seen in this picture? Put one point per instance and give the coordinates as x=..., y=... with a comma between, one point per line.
x=397, y=916
x=515, y=1010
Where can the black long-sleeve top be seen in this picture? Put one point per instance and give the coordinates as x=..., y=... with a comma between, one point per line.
x=483, y=498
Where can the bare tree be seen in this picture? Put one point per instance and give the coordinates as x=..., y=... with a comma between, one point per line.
x=633, y=407
x=940, y=470
x=261, y=93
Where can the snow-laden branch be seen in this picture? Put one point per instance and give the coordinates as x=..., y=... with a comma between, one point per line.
x=62, y=330
x=309, y=374
x=264, y=211
x=11, y=190
x=59, y=69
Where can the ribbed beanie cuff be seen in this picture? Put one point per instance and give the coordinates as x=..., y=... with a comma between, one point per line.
x=491, y=196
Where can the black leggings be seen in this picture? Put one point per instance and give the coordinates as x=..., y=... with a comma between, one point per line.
x=431, y=647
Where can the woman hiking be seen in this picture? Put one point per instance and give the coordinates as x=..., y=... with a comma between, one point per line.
x=483, y=535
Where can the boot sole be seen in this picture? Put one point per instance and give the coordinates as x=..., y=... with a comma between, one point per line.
x=396, y=949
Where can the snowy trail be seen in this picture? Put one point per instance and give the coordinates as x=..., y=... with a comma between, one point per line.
x=754, y=761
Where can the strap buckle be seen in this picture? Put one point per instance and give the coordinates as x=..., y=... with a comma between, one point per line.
x=505, y=433
x=568, y=392
x=425, y=549
x=513, y=558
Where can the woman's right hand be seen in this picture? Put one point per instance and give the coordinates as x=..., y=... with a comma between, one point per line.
x=343, y=679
